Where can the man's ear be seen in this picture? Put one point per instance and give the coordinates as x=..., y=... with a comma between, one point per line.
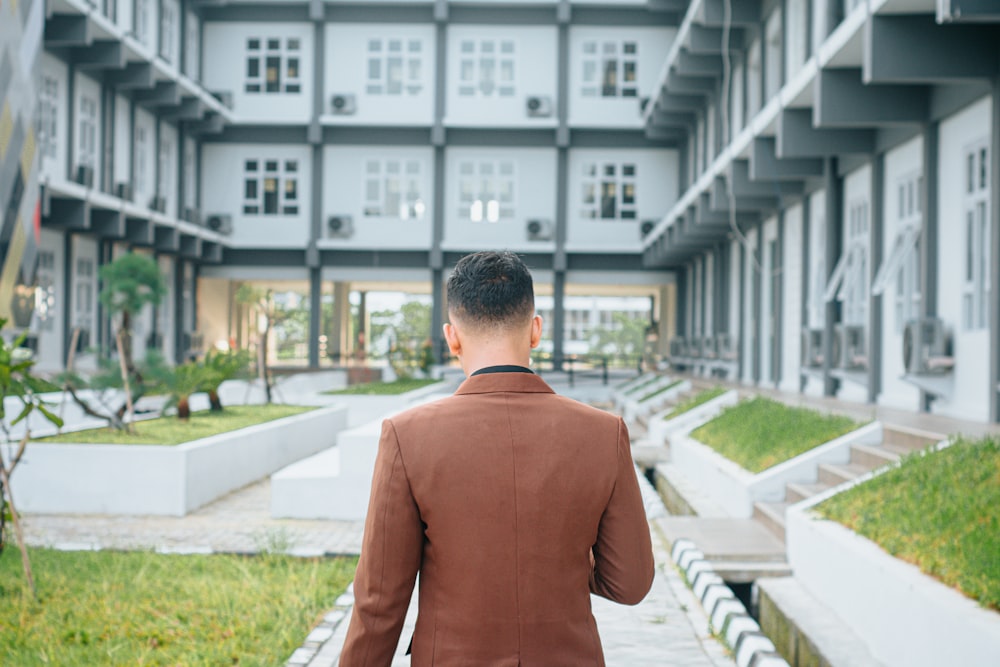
x=451, y=337
x=536, y=331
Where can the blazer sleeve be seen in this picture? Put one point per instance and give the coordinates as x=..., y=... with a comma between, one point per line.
x=390, y=557
x=623, y=553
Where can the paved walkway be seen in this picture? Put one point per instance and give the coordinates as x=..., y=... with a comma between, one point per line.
x=668, y=629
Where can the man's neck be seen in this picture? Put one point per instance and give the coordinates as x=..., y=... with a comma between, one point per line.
x=471, y=364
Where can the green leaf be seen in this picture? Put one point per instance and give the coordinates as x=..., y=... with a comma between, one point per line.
x=28, y=407
x=52, y=417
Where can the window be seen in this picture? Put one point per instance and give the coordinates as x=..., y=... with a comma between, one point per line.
x=773, y=56
x=392, y=189
x=141, y=150
x=487, y=68
x=273, y=65
x=88, y=131
x=976, y=277
x=141, y=20
x=166, y=181
x=168, y=30
x=192, y=47
x=271, y=187
x=486, y=190
x=609, y=191
x=395, y=66
x=48, y=115
x=610, y=69
x=83, y=305
x=736, y=108
x=45, y=293
x=753, y=80
x=849, y=281
x=795, y=48
x=902, y=265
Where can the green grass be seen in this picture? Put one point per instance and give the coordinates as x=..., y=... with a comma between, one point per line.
x=173, y=431
x=660, y=390
x=940, y=512
x=700, y=398
x=141, y=608
x=398, y=386
x=642, y=385
x=759, y=433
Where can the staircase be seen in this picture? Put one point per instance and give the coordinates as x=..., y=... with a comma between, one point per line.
x=897, y=442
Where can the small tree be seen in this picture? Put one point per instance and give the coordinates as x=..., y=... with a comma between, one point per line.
x=222, y=366
x=261, y=302
x=130, y=282
x=180, y=383
x=625, y=337
x=17, y=381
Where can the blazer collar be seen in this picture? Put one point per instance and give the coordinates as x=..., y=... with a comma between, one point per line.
x=500, y=382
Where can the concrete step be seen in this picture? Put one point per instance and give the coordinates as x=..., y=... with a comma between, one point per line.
x=772, y=516
x=744, y=572
x=872, y=456
x=798, y=491
x=902, y=439
x=834, y=474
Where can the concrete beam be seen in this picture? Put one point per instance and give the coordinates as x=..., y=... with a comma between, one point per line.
x=685, y=84
x=915, y=49
x=65, y=213
x=680, y=103
x=695, y=65
x=842, y=100
x=165, y=94
x=166, y=239
x=190, y=109
x=62, y=30
x=135, y=76
x=139, y=231
x=744, y=13
x=190, y=246
x=720, y=200
x=677, y=119
x=968, y=11
x=211, y=252
x=665, y=135
x=100, y=55
x=108, y=223
x=703, y=40
x=765, y=165
x=797, y=138
x=744, y=185
x=213, y=123
x=667, y=5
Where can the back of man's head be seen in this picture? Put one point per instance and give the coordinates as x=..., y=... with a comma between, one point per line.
x=491, y=290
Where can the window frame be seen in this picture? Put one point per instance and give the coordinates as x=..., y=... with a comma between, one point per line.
x=87, y=131
x=472, y=81
x=377, y=207
x=595, y=177
x=623, y=57
x=410, y=82
x=260, y=51
x=976, y=286
x=476, y=207
x=285, y=172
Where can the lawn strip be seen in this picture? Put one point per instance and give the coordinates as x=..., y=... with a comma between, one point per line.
x=700, y=398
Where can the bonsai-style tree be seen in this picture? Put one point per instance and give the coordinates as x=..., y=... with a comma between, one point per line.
x=130, y=282
x=17, y=381
x=222, y=366
x=261, y=302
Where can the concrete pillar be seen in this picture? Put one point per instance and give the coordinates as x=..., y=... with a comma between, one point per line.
x=340, y=327
x=667, y=317
x=360, y=339
x=558, y=318
x=994, y=305
x=315, y=315
x=438, y=311
x=834, y=241
x=929, y=235
x=876, y=243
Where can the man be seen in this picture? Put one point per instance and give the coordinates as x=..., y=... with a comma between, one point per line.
x=513, y=503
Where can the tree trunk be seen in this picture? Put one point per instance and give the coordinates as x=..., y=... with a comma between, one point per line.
x=5, y=478
x=183, y=408
x=262, y=364
x=213, y=399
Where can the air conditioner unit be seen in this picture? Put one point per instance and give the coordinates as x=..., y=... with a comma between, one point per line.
x=646, y=227
x=539, y=230
x=220, y=223
x=85, y=175
x=725, y=346
x=158, y=204
x=709, y=350
x=343, y=104
x=192, y=215
x=812, y=348
x=538, y=106
x=225, y=97
x=927, y=347
x=124, y=191
x=967, y=11
x=852, y=350
x=340, y=226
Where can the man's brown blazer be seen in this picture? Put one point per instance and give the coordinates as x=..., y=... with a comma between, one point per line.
x=498, y=496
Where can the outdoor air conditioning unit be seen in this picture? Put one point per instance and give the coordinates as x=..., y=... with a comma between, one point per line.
x=192, y=215
x=340, y=226
x=967, y=11
x=85, y=175
x=225, y=97
x=538, y=106
x=124, y=191
x=221, y=223
x=709, y=350
x=343, y=104
x=852, y=352
x=812, y=348
x=927, y=347
x=646, y=227
x=725, y=347
x=539, y=230
x=158, y=203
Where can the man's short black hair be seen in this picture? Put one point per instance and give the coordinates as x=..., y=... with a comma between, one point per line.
x=491, y=289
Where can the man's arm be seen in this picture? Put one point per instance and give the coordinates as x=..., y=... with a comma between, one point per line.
x=390, y=557
x=623, y=553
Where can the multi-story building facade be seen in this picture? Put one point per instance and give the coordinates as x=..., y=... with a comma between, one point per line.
x=836, y=225
x=804, y=187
